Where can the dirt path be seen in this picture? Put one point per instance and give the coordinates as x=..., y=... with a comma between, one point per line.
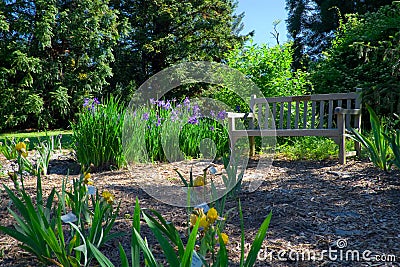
x=318, y=207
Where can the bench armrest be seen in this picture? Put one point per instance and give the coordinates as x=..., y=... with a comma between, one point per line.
x=346, y=111
x=232, y=116
x=235, y=115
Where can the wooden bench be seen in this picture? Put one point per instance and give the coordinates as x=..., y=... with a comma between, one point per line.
x=328, y=115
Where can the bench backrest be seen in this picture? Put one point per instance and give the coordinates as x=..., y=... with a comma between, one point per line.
x=305, y=112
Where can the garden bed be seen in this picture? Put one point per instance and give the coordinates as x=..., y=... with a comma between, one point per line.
x=314, y=205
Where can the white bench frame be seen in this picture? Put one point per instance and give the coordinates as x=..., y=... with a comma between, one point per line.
x=346, y=107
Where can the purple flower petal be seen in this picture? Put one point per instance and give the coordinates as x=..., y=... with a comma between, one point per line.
x=145, y=116
x=86, y=102
x=222, y=115
x=193, y=120
x=186, y=102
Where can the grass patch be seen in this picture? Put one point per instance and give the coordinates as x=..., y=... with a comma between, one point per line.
x=309, y=148
x=34, y=137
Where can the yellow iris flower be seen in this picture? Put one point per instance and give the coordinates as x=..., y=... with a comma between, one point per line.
x=87, y=178
x=212, y=215
x=108, y=197
x=198, y=181
x=225, y=238
x=21, y=148
x=198, y=214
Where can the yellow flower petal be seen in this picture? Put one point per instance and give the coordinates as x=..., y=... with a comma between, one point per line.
x=193, y=219
x=203, y=222
x=198, y=181
x=20, y=147
x=86, y=176
x=108, y=197
x=212, y=215
x=225, y=238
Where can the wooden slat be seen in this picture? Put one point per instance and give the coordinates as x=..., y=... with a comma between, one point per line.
x=321, y=114
x=339, y=103
x=259, y=112
x=318, y=97
x=266, y=121
x=281, y=116
x=327, y=97
x=330, y=114
x=313, y=110
x=305, y=111
x=358, y=99
x=301, y=98
x=296, y=118
x=286, y=132
x=289, y=115
x=274, y=111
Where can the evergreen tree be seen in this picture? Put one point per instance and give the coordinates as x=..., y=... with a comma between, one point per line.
x=165, y=32
x=313, y=23
x=52, y=55
x=365, y=54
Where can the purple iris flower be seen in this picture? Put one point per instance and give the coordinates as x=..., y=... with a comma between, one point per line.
x=174, y=116
x=86, y=102
x=94, y=103
x=212, y=128
x=158, y=123
x=196, y=109
x=160, y=103
x=193, y=120
x=167, y=105
x=222, y=115
x=212, y=114
x=152, y=101
x=186, y=102
x=145, y=116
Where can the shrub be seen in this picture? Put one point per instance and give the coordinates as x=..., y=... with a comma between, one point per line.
x=97, y=134
x=269, y=68
x=307, y=147
x=365, y=54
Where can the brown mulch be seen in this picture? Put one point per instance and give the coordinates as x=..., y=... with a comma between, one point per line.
x=316, y=205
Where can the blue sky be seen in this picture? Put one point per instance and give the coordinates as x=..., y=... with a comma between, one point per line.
x=259, y=16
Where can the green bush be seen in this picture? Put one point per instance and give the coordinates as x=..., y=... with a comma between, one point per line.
x=365, y=54
x=307, y=147
x=97, y=134
x=269, y=68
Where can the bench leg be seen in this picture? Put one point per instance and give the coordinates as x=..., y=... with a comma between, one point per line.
x=252, y=143
x=342, y=139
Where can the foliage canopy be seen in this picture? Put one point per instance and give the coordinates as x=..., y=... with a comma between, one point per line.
x=313, y=23
x=365, y=54
x=53, y=54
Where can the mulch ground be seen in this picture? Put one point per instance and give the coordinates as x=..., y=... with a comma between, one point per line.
x=320, y=208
